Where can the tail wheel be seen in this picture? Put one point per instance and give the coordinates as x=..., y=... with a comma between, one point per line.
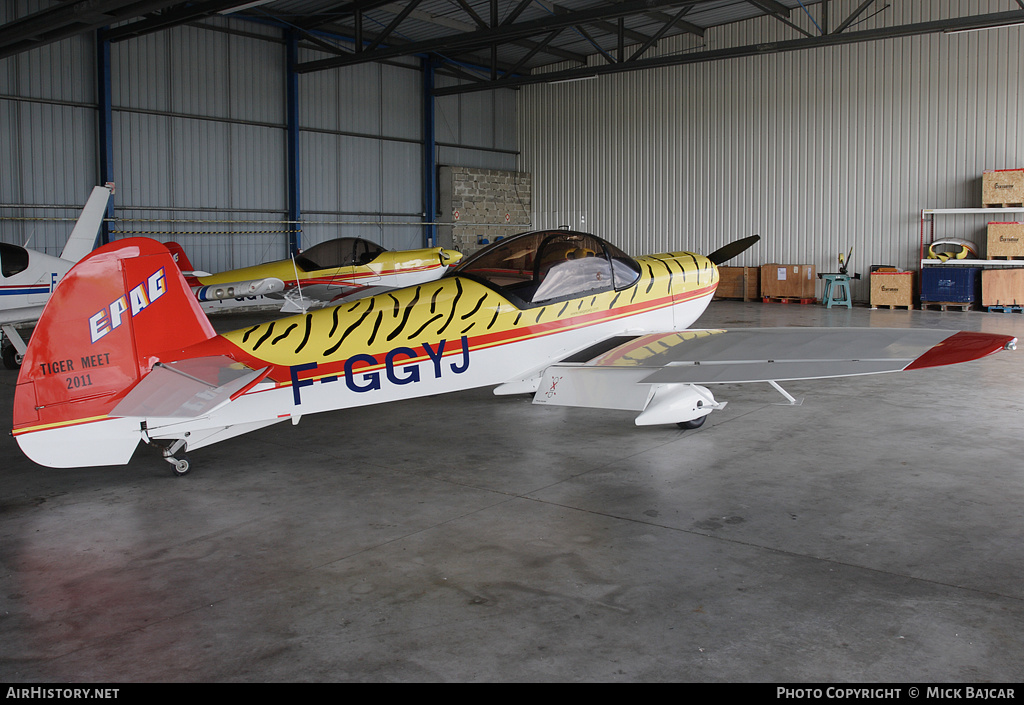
x=180, y=465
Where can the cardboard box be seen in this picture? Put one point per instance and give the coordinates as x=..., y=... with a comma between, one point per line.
x=1002, y=187
x=1002, y=287
x=739, y=283
x=1005, y=240
x=892, y=289
x=788, y=281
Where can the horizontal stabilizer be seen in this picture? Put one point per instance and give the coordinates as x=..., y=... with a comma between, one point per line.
x=187, y=389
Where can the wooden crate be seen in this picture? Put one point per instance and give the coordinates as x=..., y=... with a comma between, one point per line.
x=788, y=281
x=892, y=289
x=1002, y=187
x=1002, y=287
x=739, y=283
x=1005, y=240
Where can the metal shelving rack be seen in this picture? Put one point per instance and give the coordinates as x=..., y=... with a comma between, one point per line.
x=928, y=216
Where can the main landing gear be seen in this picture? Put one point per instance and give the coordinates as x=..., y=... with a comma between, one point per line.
x=695, y=423
x=14, y=346
x=12, y=358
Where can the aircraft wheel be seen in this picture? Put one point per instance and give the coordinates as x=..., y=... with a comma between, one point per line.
x=694, y=423
x=181, y=466
x=12, y=360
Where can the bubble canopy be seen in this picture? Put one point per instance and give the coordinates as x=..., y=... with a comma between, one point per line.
x=546, y=266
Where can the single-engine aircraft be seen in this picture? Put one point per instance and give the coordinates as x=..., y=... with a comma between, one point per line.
x=124, y=355
x=28, y=277
x=329, y=272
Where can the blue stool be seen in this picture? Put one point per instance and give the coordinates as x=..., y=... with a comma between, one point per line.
x=837, y=290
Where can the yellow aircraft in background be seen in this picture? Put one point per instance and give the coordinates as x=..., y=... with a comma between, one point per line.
x=330, y=272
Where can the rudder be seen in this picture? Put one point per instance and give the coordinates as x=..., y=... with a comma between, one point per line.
x=178, y=253
x=104, y=326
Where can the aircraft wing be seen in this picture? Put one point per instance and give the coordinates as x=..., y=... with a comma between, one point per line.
x=631, y=373
x=777, y=354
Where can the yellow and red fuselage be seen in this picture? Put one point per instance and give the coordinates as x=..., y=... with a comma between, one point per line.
x=445, y=335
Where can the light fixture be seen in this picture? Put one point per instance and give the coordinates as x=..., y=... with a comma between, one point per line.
x=982, y=29
x=243, y=6
x=573, y=80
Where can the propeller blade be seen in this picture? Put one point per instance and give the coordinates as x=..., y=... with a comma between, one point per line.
x=724, y=254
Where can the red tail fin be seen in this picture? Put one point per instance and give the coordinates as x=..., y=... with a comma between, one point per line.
x=112, y=313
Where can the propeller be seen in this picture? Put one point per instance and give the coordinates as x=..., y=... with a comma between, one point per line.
x=733, y=249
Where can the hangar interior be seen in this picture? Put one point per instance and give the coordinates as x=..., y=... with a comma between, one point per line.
x=868, y=535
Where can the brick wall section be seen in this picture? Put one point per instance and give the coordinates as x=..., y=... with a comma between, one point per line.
x=482, y=204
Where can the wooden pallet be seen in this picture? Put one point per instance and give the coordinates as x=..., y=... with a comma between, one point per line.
x=947, y=305
x=787, y=300
x=1018, y=204
x=893, y=307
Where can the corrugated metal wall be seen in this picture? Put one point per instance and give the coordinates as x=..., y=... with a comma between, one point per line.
x=471, y=130
x=47, y=137
x=818, y=151
x=200, y=142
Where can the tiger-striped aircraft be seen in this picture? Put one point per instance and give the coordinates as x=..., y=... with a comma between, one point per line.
x=123, y=353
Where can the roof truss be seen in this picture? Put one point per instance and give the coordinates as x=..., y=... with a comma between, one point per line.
x=490, y=44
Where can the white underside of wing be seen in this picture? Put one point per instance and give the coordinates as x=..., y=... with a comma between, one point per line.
x=660, y=375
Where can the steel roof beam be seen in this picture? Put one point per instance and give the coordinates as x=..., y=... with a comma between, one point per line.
x=608, y=27
x=855, y=14
x=990, y=20
x=485, y=37
x=450, y=23
x=167, y=19
x=769, y=8
x=68, y=19
x=659, y=34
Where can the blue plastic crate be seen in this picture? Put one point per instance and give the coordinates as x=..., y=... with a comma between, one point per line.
x=951, y=284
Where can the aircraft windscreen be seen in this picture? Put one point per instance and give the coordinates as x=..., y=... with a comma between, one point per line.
x=551, y=265
x=340, y=252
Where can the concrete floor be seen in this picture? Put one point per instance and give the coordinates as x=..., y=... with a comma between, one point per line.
x=873, y=534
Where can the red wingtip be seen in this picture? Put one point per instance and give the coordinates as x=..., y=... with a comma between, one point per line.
x=963, y=346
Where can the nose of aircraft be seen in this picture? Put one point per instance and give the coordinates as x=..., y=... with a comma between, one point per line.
x=450, y=257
